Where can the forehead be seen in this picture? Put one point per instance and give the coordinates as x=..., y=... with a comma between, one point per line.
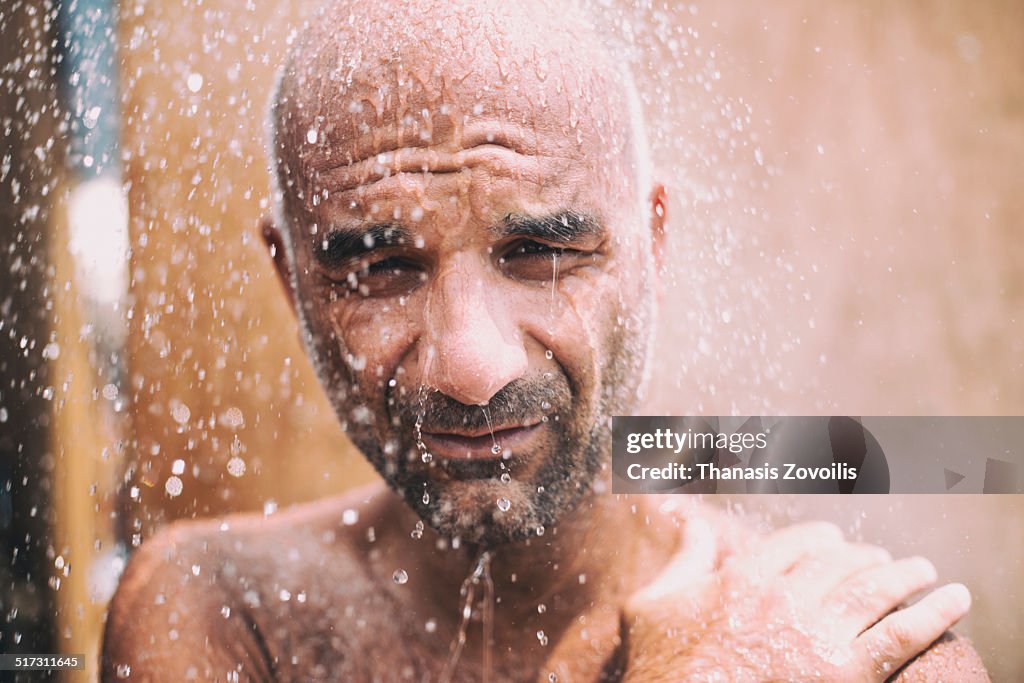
x=421, y=92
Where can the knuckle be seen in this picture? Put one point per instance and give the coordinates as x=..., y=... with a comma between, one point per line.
x=900, y=635
x=860, y=599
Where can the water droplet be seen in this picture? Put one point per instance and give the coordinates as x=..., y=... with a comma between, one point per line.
x=225, y=611
x=542, y=608
x=123, y=671
x=400, y=576
x=180, y=412
x=553, y=677
x=311, y=136
x=178, y=466
x=542, y=637
x=417, y=532
x=195, y=82
x=540, y=530
x=236, y=466
x=349, y=517
x=496, y=449
x=269, y=508
x=173, y=486
x=426, y=498
x=427, y=457
x=505, y=478
x=504, y=504
x=544, y=405
x=430, y=626
x=549, y=354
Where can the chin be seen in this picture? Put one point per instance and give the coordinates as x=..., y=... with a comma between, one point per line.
x=470, y=511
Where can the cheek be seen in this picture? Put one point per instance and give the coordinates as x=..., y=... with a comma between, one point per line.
x=583, y=307
x=376, y=337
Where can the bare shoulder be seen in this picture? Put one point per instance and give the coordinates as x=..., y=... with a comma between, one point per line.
x=198, y=600
x=163, y=621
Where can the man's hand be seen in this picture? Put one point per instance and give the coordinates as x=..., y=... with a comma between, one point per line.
x=800, y=604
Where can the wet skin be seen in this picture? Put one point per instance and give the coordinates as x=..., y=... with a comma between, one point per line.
x=428, y=192
x=305, y=596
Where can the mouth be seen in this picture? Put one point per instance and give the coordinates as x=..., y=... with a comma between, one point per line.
x=485, y=446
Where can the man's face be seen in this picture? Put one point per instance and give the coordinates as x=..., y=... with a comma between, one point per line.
x=473, y=271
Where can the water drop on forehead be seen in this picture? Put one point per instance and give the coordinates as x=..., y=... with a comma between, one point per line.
x=400, y=576
x=504, y=504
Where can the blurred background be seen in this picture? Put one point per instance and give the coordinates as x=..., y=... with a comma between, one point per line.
x=845, y=215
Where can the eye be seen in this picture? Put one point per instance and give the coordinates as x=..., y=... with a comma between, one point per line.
x=389, y=276
x=530, y=260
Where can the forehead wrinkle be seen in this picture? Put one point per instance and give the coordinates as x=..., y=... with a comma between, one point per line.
x=497, y=159
x=447, y=53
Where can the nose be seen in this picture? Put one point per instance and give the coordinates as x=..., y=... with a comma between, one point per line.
x=471, y=346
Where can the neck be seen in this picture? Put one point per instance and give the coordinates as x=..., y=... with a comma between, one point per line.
x=596, y=554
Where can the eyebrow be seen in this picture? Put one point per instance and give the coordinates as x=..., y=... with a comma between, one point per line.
x=340, y=246
x=562, y=227
x=343, y=245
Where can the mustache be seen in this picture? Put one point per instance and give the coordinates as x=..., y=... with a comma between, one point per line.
x=520, y=401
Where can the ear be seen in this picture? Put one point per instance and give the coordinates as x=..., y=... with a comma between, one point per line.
x=658, y=203
x=274, y=240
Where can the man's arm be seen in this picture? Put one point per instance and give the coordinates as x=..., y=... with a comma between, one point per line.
x=171, y=620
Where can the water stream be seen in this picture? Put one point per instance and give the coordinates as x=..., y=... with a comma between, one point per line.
x=481, y=574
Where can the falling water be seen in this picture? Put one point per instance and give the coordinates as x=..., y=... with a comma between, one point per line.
x=495, y=448
x=554, y=279
x=425, y=455
x=481, y=574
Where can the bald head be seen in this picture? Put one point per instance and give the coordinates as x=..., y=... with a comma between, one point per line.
x=365, y=80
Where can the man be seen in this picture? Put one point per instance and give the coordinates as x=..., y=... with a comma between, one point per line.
x=470, y=237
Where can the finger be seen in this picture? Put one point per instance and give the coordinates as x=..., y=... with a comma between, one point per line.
x=695, y=559
x=902, y=635
x=781, y=550
x=869, y=595
x=820, y=573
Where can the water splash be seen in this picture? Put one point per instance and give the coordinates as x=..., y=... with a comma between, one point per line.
x=481, y=574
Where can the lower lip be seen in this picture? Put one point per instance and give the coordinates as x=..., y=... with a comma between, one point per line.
x=452, y=446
